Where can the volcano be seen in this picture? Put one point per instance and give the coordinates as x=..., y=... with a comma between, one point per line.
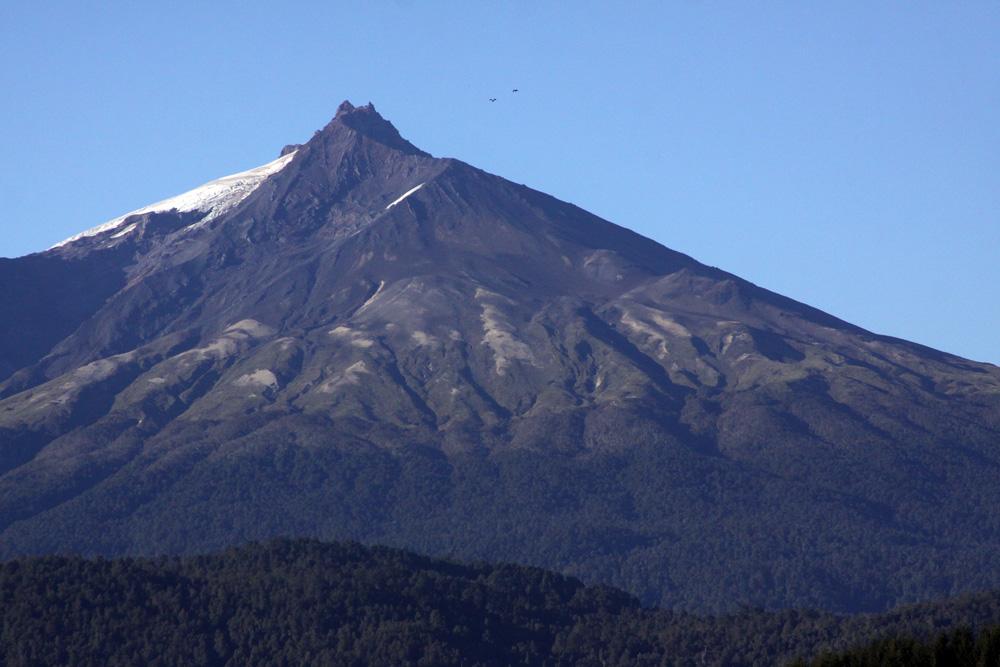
x=362, y=341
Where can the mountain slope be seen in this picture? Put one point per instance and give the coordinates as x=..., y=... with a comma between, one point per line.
x=381, y=345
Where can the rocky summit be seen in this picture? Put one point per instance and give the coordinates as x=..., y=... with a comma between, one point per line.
x=362, y=341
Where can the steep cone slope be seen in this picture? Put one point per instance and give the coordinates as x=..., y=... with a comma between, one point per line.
x=372, y=343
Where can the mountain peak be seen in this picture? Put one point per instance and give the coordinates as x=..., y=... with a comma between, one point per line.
x=355, y=144
x=345, y=108
x=366, y=121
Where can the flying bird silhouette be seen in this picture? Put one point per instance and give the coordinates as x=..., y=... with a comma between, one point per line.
x=514, y=91
x=493, y=99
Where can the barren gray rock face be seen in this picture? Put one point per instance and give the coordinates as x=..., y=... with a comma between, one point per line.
x=368, y=342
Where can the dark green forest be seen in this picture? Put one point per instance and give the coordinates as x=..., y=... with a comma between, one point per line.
x=957, y=647
x=308, y=602
x=673, y=527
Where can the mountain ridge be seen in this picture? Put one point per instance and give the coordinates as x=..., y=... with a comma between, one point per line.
x=381, y=345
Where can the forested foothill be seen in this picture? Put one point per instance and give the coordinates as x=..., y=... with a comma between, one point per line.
x=308, y=602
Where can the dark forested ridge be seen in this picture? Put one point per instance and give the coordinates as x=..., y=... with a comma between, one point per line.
x=307, y=602
x=957, y=647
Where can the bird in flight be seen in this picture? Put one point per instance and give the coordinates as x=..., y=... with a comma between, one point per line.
x=514, y=91
x=493, y=99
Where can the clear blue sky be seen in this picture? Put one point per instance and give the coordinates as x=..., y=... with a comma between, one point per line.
x=845, y=154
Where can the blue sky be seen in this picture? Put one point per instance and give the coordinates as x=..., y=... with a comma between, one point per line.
x=844, y=154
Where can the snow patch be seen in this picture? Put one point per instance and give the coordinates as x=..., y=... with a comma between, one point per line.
x=130, y=228
x=215, y=198
x=404, y=196
x=381, y=285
